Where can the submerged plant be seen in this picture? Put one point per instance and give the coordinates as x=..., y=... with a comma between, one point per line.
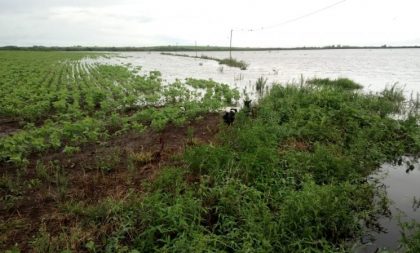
x=260, y=85
x=234, y=63
x=343, y=83
x=228, y=61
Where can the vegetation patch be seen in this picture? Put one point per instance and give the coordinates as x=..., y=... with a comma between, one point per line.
x=343, y=83
x=227, y=61
x=234, y=63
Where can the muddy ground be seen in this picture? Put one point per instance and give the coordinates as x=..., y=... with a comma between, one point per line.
x=95, y=173
x=8, y=126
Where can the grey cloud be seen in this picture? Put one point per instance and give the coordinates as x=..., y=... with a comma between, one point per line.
x=114, y=22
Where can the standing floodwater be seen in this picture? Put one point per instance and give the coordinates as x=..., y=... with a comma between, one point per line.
x=373, y=68
x=401, y=183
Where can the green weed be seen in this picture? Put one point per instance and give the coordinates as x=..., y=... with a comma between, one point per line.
x=343, y=83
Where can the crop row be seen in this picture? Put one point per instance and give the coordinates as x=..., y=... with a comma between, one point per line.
x=61, y=100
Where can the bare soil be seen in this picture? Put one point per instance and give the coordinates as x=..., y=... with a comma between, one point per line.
x=87, y=181
x=8, y=126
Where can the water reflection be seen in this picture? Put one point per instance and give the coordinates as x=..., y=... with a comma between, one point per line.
x=416, y=204
x=400, y=182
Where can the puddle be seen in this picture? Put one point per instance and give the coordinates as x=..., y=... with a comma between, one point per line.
x=401, y=182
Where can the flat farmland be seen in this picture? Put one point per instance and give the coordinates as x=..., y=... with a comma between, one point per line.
x=99, y=158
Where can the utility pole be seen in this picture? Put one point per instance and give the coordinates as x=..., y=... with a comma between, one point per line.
x=230, y=47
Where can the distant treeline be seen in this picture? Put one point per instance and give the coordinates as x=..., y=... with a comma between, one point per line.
x=189, y=48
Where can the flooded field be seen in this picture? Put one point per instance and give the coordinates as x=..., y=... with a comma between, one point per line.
x=374, y=69
x=99, y=158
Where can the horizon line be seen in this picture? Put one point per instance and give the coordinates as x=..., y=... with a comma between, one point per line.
x=194, y=48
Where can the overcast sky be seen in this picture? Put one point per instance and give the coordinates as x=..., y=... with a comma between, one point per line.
x=182, y=22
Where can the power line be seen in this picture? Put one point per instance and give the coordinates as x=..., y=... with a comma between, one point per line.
x=291, y=20
x=281, y=24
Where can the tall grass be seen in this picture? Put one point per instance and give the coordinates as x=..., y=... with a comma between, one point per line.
x=343, y=83
x=260, y=85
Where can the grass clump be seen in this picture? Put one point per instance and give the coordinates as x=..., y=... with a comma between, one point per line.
x=227, y=61
x=343, y=83
x=260, y=85
x=142, y=157
x=234, y=63
x=410, y=237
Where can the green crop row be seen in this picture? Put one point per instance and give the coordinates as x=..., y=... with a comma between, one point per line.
x=59, y=99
